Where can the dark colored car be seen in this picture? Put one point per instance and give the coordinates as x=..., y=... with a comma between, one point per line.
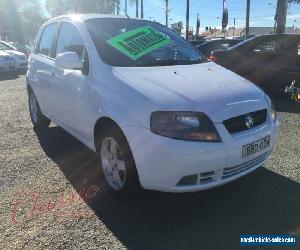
x=197, y=42
x=270, y=61
x=210, y=46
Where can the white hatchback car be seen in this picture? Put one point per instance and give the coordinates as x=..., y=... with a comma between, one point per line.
x=158, y=113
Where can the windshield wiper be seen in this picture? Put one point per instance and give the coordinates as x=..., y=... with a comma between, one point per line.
x=169, y=62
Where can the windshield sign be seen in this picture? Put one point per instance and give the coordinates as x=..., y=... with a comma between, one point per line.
x=139, y=42
x=128, y=42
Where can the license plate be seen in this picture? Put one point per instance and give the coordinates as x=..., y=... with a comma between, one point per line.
x=255, y=147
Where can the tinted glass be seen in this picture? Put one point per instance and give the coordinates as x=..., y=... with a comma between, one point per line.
x=224, y=44
x=279, y=45
x=197, y=43
x=69, y=40
x=265, y=46
x=177, y=51
x=46, y=41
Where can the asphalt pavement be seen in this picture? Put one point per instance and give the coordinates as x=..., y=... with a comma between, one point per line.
x=53, y=195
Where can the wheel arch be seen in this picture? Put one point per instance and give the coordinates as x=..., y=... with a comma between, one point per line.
x=101, y=123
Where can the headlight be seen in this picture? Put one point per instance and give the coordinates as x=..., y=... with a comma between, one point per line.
x=190, y=126
x=271, y=107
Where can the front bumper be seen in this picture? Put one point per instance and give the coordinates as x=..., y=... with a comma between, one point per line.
x=163, y=162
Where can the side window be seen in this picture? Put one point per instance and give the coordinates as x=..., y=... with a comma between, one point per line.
x=69, y=40
x=265, y=47
x=46, y=41
x=220, y=46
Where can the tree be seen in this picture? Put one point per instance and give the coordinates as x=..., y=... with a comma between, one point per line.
x=12, y=21
x=60, y=7
x=31, y=16
x=20, y=19
x=281, y=13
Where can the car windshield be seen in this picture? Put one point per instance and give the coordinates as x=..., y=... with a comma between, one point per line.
x=137, y=43
x=3, y=46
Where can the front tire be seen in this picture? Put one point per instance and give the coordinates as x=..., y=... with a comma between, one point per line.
x=117, y=161
x=38, y=120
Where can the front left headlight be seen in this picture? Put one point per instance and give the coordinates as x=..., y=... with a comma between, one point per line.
x=190, y=126
x=271, y=108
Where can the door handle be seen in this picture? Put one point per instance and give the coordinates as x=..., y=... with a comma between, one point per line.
x=52, y=73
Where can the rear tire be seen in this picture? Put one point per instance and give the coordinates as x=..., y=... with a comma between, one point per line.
x=117, y=161
x=38, y=120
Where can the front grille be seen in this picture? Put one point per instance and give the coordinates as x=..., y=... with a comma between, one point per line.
x=238, y=124
x=232, y=171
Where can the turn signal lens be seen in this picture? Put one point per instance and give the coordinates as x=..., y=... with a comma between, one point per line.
x=213, y=58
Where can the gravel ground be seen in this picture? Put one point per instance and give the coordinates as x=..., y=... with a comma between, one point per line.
x=43, y=176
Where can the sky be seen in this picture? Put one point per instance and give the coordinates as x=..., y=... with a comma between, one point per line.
x=261, y=14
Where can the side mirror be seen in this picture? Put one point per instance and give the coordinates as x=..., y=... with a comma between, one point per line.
x=69, y=60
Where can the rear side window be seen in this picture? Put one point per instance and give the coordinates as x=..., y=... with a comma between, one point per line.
x=46, y=42
x=265, y=47
x=69, y=40
x=221, y=46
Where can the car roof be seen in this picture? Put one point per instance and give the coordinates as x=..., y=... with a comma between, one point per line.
x=218, y=41
x=278, y=35
x=85, y=17
x=223, y=40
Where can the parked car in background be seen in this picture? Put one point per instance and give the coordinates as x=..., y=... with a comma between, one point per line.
x=197, y=42
x=220, y=44
x=21, y=47
x=270, y=61
x=8, y=65
x=158, y=113
x=20, y=58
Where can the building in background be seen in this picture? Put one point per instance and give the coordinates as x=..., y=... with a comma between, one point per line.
x=240, y=32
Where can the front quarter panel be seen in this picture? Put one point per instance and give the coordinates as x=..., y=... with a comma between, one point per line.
x=113, y=98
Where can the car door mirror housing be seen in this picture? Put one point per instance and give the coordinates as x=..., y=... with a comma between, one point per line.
x=69, y=60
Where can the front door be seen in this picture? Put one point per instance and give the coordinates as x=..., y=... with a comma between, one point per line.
x=72, y=86
x=42, y=65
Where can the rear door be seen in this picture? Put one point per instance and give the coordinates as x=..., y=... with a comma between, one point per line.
x=265, y=60
x=290, y=62
x=72, y=86
x=277, y=62
x=256, y=61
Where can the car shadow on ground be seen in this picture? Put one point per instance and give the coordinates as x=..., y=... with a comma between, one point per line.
x=8, y=77
x=262, y=202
